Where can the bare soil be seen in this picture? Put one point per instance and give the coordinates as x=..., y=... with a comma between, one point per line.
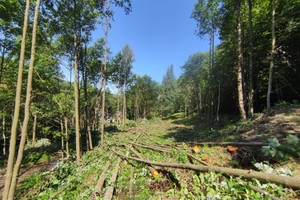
x=27, y=172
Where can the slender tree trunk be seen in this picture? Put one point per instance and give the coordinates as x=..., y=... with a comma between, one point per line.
x=145, y=109
x=272, y=57
x=250, y=103
x=185, y=107
x=2, y=60
x=34, y=129
x=86, y=112
x=104, y=76
x=62, y=137
x=67, y=136
x=76, y=91
x=13, y=138
x=118, y=101
x=27, y=105
x=124, y=100
x=3, y=134
x=240, y=62
x=219, y=100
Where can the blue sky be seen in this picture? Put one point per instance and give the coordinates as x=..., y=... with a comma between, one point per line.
x=160, y=32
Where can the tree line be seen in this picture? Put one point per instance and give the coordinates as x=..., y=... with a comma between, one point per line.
x=255, y=66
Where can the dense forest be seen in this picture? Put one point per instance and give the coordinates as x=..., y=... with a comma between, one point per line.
x=254, y=68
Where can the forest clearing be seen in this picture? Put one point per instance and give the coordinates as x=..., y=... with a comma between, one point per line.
x=129, y=99
x=172, y=141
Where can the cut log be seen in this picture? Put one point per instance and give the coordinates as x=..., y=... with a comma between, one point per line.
x=259, y=144
x=287, y=181
x=100, y=182
x=151, y=169
x=110, y=189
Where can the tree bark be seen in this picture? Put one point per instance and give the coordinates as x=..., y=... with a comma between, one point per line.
x=62, y=136
x=77, y=128
x=118, y=102
x=13, y=137
x=67, y=136
x=110, y=190
x=3, y=134
x=272, y=57
x=240, y=62
x=124, y=100
x=251, y=92
x=104, y=77
x=34, y=129
x=27, y=105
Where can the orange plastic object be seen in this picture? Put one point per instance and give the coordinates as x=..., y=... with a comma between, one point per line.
x=233, y=148
x=196, y=149
x=155, y=173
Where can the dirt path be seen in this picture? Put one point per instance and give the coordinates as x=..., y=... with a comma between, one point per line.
x=27, y=172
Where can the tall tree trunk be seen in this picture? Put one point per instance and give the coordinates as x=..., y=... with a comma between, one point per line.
x=62, y=137
x=240, y=62
x=86, y=112
x=77, y=129
x=219, y=100
x=67, y=136
x=2, y=59
x=104, y=76
x=272, y=57
x=34, y=129
x=185, y=107
x=27, y=105
x=118, y=101
x=250, y=103
x=124, y=100
x=145, y=110
x=13, y=137
x=3, y=134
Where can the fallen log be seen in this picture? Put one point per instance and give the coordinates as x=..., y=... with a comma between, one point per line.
x=110, y=189
x=151, y=169
x=287, y=181
x=167, y=151
x=100, y=182
x=258, y=144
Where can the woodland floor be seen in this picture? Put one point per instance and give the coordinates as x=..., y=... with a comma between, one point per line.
x=174, y=135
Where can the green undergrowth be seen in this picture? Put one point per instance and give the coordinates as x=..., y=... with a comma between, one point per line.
x=171, y=183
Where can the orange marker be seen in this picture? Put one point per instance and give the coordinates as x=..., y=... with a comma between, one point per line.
x=233, y=148
x=196, y=149
x=155, y=173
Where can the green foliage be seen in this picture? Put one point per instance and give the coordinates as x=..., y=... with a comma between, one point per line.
x=130, y=124
x=282, y=151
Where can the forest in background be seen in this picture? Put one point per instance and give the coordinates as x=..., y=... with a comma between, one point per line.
x=255, y=67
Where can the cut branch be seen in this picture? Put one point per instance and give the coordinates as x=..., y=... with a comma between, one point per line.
x=248, y=174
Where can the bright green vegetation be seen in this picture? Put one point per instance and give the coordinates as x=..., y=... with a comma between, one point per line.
x=170, y=183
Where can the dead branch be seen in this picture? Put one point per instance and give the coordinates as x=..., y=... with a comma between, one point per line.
x=248, y=174
x=151, y=169
x=256, y=189
x=227, y=143
x=110, y=190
